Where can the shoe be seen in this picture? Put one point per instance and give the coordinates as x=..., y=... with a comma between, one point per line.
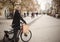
x=12, y=41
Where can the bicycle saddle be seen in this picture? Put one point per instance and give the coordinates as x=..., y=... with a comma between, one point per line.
x=6, y=31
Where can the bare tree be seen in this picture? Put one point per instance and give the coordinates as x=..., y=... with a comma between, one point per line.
x=28, y=4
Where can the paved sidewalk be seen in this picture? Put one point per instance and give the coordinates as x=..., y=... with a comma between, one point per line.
x=28, y=19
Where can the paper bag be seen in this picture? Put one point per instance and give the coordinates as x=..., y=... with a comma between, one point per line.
x=25, y=28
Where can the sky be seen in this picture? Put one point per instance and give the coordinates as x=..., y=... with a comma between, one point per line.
x=43, y=2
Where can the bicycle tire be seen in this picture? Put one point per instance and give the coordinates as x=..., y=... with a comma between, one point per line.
x=28, y=39
x=5, y=39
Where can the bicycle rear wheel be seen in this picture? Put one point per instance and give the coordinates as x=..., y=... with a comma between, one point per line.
x=26, y=37
x=5, y=39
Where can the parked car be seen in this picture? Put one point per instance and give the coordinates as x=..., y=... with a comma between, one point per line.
x=10, y=16
x=57, y=15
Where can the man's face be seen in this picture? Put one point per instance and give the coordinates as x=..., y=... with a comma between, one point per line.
x=19, y=8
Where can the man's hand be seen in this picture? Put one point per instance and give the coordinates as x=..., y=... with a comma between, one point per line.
x=25, y=24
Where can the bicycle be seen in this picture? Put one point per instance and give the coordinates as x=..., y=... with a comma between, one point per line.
x=24, y=37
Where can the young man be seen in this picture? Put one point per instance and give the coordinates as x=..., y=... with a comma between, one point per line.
x=16, y=22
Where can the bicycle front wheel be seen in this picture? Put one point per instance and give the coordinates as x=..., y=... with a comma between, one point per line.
x=26, y=37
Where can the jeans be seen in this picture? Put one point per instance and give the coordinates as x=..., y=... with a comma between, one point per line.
x=15, y=37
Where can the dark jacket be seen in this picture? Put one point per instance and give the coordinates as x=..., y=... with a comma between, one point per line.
x=16, y=19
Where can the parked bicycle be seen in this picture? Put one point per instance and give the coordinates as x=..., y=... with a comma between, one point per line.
x=8, y=36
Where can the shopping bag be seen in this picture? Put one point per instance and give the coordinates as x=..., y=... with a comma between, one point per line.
x=25, y=28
